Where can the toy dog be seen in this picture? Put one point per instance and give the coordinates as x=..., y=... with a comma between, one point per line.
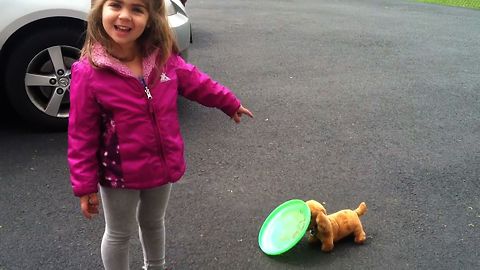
x=331, y=228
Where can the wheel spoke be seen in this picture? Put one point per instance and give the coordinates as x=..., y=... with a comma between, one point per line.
x=39, y=80
x=57, y=58
x=54, y=104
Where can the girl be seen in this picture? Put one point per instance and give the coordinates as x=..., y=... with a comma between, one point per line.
x=124, y=134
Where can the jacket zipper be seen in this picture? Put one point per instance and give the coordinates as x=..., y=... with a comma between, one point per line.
x=153, y=119
x=147, y=90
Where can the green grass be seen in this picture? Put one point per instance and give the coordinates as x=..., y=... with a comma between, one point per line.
x=456, y=3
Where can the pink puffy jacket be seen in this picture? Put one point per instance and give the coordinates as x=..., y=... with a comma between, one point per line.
x=124, y=132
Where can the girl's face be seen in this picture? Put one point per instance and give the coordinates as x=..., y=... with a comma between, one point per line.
x=124, y=21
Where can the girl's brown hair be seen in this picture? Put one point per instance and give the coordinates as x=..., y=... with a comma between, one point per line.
x=157, y=34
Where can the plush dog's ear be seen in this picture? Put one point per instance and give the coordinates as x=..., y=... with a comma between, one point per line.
x=322, y=221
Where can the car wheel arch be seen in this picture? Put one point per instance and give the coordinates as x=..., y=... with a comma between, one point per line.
x=24, y=30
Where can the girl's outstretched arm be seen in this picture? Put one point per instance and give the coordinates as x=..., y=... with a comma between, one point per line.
x=242, y=110
x=198, y=86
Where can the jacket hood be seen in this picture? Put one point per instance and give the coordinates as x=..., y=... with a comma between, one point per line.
x=103, y=59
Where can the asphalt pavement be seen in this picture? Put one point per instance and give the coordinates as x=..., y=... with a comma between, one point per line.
x=374, y=101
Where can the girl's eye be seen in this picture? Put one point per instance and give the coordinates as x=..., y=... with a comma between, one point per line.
x=115, y=5
x=138, y=10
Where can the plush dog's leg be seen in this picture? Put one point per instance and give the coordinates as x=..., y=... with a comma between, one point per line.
x=327, y=244
x=312, y=234
x=360, y=235
x=312, y=239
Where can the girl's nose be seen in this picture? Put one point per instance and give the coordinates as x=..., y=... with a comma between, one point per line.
x=124, y=14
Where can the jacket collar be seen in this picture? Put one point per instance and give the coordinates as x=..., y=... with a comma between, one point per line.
x=102, y=59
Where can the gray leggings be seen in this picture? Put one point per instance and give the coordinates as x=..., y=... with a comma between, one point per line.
x=124, y=210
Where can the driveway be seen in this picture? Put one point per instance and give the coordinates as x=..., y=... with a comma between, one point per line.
x=374, y=101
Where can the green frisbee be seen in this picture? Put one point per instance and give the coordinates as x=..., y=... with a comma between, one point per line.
x=284, y=227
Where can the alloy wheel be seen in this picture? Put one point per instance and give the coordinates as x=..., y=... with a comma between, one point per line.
x=47, y=80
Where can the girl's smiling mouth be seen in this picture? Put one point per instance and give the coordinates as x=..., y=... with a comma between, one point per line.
x=122, y=28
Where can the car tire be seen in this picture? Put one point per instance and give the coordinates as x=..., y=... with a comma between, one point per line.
x=37, y=75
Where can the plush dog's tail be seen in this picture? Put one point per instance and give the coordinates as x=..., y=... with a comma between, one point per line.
x=361, y=209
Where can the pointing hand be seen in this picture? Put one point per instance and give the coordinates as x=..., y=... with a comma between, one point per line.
x=242, y=110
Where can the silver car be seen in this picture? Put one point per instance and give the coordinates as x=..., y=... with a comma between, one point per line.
x=39, y=41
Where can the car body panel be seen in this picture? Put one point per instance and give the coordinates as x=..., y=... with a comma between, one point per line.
x=181, y=28
x=32, y=11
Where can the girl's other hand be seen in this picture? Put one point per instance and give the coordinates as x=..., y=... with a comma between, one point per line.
x=242, y=110
x=89, y=205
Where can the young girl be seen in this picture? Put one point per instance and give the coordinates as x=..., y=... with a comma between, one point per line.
x=124, y=135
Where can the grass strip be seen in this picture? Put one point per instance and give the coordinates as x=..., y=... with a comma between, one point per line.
x=455, y=3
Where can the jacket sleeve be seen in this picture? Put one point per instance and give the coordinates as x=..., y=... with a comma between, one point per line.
x=83, y=132
x=198, y=86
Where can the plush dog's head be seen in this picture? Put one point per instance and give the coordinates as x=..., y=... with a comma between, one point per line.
x=316, y=209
